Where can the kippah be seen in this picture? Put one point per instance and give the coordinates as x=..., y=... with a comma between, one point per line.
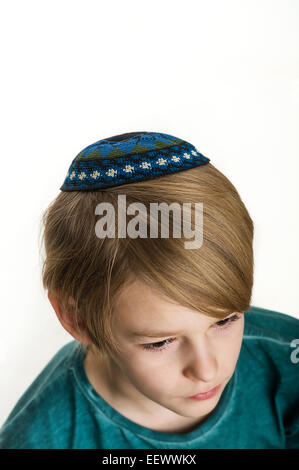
x=130, y=158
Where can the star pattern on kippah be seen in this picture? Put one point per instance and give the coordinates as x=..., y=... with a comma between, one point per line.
x=145, y=165
x=111, y=172
x=128, y=168
x=95, y=174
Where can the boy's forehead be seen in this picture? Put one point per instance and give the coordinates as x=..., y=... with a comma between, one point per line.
x=143, y=312
x=139, y=295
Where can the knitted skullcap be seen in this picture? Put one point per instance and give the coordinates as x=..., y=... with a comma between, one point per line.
x=130, y=158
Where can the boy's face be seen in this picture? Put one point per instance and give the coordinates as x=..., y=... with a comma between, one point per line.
x=199, y=355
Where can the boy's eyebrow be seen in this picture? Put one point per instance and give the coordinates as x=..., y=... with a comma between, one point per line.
x=153, y=334
x=161, y=334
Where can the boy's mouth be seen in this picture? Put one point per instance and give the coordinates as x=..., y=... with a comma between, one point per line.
x=208, y=394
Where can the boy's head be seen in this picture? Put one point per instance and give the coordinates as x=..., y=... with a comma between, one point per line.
x=169, y=353
x=86, y=276
x=105, y=289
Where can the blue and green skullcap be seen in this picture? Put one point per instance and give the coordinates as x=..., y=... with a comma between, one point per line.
x=130, y=158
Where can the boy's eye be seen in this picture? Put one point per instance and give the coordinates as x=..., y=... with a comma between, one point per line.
x=162, y=345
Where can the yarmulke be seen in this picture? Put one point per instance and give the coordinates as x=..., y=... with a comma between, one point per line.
x=129, y=158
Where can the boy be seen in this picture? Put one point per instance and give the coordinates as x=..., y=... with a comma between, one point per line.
x=167, y=352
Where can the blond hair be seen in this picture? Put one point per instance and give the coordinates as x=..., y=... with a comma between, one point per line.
x=215, y=279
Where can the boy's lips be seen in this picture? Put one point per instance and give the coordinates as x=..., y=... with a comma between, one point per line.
x=211, y=390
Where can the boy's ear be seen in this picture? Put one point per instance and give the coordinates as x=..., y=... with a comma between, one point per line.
x=67, y=320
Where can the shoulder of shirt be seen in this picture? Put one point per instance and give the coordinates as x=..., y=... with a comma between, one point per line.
x=48, y=392
x=271, y=344
x=271, y=351
x=270, y=326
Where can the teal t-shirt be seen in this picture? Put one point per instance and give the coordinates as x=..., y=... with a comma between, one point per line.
x=258, y=408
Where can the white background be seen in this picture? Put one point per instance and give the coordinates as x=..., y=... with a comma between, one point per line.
x=222, y=75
